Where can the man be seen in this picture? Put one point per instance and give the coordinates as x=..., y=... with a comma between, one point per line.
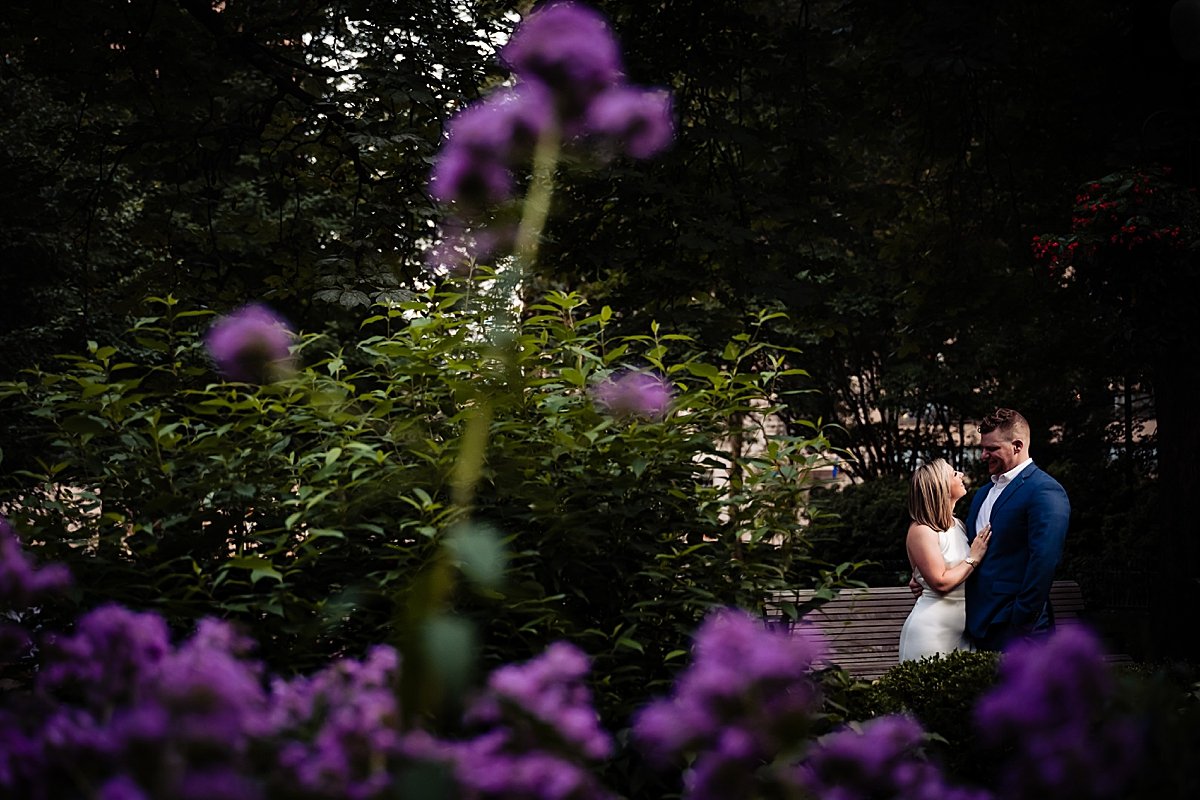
x=1008, y=592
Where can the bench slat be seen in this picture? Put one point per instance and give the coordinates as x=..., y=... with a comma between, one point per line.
x=862, y=626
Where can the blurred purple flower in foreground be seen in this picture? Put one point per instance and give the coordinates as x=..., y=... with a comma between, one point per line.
x=21, y=583
x=120, y=708
x=639, y=121
x=569, y=48
x=881, y=762
x=633, y=394
x=115, y=697
x=112, y=652
x=506, y=124
x=251, y=344
x=482, y=142
x=747, y=695
x=472, y=180
x=1047, y=711
x=570, y=87
x=342, y=726
x=540, y=730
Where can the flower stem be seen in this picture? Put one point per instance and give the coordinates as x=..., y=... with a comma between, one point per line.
x=537, y=200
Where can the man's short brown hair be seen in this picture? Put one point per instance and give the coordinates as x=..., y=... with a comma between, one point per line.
x=1010, y=424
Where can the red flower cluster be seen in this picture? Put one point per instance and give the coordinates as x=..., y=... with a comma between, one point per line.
x=1126, y=211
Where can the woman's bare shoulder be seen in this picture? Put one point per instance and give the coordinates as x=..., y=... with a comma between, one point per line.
x=920, y=529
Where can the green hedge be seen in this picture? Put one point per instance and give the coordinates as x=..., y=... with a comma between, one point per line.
x=314, y=510
x=942, y=693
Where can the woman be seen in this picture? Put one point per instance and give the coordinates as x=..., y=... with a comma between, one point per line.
x=941, y=560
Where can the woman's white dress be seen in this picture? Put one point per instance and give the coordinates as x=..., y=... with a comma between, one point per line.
x=937, y=622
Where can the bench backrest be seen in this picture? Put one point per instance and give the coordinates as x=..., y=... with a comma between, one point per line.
x=862, y=626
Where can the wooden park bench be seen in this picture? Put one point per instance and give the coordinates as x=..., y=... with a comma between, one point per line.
x=862, y=626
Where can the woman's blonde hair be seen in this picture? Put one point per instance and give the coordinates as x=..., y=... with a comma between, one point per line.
x=929, y=495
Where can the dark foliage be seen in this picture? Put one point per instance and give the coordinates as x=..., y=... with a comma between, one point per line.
x=864, y=521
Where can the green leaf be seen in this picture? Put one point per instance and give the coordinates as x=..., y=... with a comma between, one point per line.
x=480, y=553
x=83, y=425
x=258, y=566
x=323, y=533
x=630, y=644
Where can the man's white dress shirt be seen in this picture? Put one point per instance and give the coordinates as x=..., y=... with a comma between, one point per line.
x=999, y=484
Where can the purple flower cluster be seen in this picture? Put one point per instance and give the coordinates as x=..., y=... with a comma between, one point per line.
x=120, y=712
x=22, y=583
x=118, y=707
x=1046, y=712
x=539, y=732
x=340, y=728
x=483, y=140
x=570, y=85
x=252, y=344
x=878, y=762
x=112, y=652
x=569, y=49
x=638, y=394
x=747, y=696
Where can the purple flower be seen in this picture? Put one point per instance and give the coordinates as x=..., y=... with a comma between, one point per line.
x=341, y=726
x=568, y=48
x=121, y=787
x=879, y=761
x=473, y=167
x=639, y=120
x=1047, y=711
x=212, y=697
x=551, y=689
x=486, y=767
x=112, y=651
x=21, y=583
x=743, y=678
x=634, y=394
x=539, y=725
x=251, y=344
x=505, y=125
x=860, y=760
x=1045, y=682
x=471, y=180
x=727, y=769
x=20, y=752
x=117, y=703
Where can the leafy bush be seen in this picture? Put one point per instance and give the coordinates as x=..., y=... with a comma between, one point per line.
x=315, y=509
x=940, y=691
x=864, y=522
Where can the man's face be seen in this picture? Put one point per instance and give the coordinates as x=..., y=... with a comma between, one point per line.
x=1000, y=454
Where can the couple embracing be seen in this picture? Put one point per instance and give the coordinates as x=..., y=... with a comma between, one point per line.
x=985, y=583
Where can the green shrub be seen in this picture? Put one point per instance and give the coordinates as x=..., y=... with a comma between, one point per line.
x=864, y=522
x=940, y=691
x=313, y=510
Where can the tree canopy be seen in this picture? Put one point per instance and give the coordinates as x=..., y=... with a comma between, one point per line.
x=875, y=171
